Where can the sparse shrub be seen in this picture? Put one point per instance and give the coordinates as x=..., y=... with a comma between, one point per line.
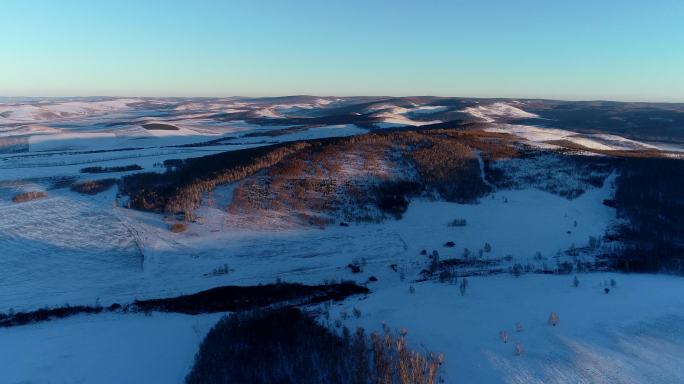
x=613, y=283
x=519, y=350
x=178, y=227
x=93, y=187
x=372, y=279
x=606, y=290
x=354, y=267
x=575, y=282
x=356, y=312
x=466, y=253
x=423, y=252
x=222, y=270
x=487, y=247
x=412, y=290
x=449, y=244
x=28, y=196
x=457, y=223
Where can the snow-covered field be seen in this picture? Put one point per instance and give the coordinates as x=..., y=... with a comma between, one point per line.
x=106, y=349
x=634, y=334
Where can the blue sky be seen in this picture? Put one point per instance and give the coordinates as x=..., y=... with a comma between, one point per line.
x=579, y=49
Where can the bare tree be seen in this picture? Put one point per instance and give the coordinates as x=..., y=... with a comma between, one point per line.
x=519, y=350
x=554, y=319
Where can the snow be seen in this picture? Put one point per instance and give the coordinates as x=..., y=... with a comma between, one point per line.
x=59, y=110
x=605, y=142
x=32, y=129
x=394, y=116
x=520, y=223
x=107, y=348
x=427, y=109
x=267, y=112
x=497, y=111
x=69, y=248
x=391, y=120
x=72, y=141
x=327, y=131
x=634, y=334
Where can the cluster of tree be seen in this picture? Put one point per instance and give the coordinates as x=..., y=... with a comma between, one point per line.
x=219, y=299
x=450, y=168
x=304, y=176
x=180, y=188
x=287, y=346
x=28, y=196
x=93, y=187
x=238, y=298
x=650, y=195
x=123, y=168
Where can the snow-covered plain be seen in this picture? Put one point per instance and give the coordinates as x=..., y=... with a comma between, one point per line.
x=106, y=349
x=634, y=334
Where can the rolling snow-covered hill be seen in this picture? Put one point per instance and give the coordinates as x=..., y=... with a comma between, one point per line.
x=409, y=196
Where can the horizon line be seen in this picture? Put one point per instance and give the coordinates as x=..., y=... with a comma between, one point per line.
x=641, y=101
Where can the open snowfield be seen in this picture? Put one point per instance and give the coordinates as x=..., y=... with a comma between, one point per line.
x=634, y=334
x=106, y=349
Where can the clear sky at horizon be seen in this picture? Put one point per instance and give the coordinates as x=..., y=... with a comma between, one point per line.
x=580, y=49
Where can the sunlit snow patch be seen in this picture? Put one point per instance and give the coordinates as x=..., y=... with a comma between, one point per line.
x=542, y=136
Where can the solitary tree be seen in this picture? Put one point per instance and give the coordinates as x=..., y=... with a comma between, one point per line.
x=519, y=349
x=519, y=327
x=503, y=335
x=463, y=286
x=553, y=319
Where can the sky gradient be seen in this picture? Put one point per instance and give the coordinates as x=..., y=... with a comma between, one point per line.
x=579, y=49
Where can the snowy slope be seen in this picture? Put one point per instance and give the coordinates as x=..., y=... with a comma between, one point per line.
x=498, y=111
x=592, y=141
